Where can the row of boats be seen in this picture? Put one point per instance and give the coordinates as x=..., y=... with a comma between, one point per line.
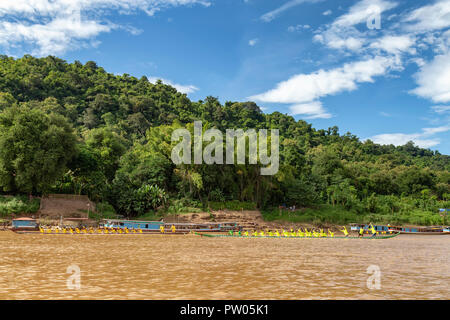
x=117, y=226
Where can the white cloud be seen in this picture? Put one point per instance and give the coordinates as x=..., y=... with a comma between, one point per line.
x=53, y=27
x=51, y=38
x=431, y=17
x=423, y=139
x=399, y=139
x=312, y=110
x=342, y=34
x=418, y=61
x=394, y=44
x=299, y=27
x=57, y=7
x=304, y=90
x=309, y=87
x=327, y=13
x=333, y=40
x=253, y=42
x=441, y=109
x=269, y=16
x=180, y=87
x=362, y=11
x=434, y=80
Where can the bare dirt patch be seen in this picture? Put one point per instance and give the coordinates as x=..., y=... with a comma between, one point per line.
x=65, y=205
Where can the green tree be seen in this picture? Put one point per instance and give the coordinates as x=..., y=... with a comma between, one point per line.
x=110, y=147
x=35, y=148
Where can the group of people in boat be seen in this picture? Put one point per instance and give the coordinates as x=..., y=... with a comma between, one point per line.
x=285, y=233
x=163, y=229
x=371, y=229
x=91, y=230
x=302, y=233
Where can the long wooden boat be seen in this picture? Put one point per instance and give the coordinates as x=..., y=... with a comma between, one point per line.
x=431, y=231
x=157, y=226
x=387, y=236
x=436, y=230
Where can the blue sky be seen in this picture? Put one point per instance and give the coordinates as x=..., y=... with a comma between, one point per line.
x=377, y=68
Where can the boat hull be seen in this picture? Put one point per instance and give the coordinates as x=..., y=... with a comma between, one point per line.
x=280, y=237
x=426, y=233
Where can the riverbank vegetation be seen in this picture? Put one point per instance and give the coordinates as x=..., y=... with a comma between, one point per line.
x=326, y=214
x=18, y=204
x=74, y=128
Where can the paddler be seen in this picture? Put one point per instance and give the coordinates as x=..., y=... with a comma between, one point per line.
x=374, y=232
x=161, y=228
x=361, y=231
x=345, y=231
x=173, y=229
x=307, y=233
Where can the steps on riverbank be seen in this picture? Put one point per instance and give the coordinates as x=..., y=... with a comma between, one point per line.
x=249, y=220
x=54, y=206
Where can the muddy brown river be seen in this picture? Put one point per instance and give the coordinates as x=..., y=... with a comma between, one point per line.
x=191, y=267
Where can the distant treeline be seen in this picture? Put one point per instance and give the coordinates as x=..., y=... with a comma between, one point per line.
x=74, y=128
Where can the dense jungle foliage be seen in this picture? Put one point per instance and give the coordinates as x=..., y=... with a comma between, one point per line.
x=75, y=128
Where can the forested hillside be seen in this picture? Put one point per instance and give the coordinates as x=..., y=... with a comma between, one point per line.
x=74, y=128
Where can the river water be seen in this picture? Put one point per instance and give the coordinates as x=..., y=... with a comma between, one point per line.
x=191, y=267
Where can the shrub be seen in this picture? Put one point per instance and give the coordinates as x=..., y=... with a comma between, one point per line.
x=18, y=204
